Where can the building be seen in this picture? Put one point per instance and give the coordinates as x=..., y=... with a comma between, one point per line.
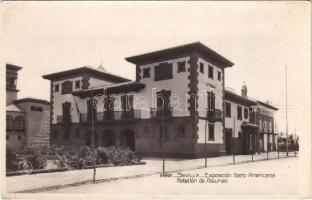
x=249, y=124
x=175, y=105
x=27, y=119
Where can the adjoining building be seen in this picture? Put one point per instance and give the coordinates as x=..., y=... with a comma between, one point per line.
x=175, y=105
x=27, y=119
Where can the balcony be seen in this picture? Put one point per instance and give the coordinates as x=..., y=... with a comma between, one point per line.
x=65, y=121
x=112, y=116
x=214, y=116
x=161, y=115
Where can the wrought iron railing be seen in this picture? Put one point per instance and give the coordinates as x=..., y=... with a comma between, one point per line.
x=214, y=115
x=161, y=114
x=112, y=115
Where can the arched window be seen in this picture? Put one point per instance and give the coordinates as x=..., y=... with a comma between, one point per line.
x=181, y=131
x=9, y=122
x=19, y=123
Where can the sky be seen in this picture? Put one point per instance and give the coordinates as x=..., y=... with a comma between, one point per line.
x=261, y=38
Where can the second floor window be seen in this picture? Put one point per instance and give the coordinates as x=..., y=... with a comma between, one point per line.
x=219, y=75
x=56, y=88
x=210, y=71
x=77, y=84
x=201, y=67
x=146, y=73
x=163, y=71
x=228, y=109
x=181, y=67
x=211, y=98
x=67, y=87
x=239, y=112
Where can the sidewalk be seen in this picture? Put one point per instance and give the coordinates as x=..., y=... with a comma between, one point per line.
x=52, y=181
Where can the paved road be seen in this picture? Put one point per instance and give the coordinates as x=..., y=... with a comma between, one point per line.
x=52, y=181
x=284, y=182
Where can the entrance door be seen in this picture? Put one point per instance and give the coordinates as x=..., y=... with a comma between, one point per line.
x=127, y=139
x=228, y=141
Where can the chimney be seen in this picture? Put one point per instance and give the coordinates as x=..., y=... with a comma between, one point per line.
x=244, y=90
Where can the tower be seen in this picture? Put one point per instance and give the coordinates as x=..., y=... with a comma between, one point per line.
x=11, y=83
x=244, y=90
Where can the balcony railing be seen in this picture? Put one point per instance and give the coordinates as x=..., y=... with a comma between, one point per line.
x=159, y=114
x=112, y=115
x=61, y=120
x=214, y=115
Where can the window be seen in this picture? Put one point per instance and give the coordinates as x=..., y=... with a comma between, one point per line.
x=211, y=101
x=181, y=131
x=67, y=87
x=239, y=112
x=201, y=67
x=246, y=113
x=181, y=67
x=146, y=73
x=211, y=132
x=7, y=137
x=19, y=123
x=145, y=131
x=219, y=75
x=163, y=71
x=210, y=71
x=9, y=122
x=34, y=108
x=19, y=137
x=239, y=134
x=77, y=84
x=227, y=109
x=56, y=87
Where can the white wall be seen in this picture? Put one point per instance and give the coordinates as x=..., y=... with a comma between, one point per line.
x=229, y=122
x=178, y=86
x=206, y=84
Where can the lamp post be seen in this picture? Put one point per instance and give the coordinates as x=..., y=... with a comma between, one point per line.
x=92, y=129
x=163, y=139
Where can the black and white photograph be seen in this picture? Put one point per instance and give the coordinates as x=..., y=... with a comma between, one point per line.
x=155, y=100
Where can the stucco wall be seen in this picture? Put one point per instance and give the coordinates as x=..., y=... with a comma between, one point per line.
x=178, y=86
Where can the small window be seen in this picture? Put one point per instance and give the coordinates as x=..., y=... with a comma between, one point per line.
x=56, y=87
x=211, y=132
x=19, y=137
x=181, y=67
x=219, y=75
x=146, y=73
x=201, y=67
x=239, y=112
x=210, y=71
x=246, y=113
x=33, y=108
x=181, y=131
x=7, y=137
x=77, y=84
x=145, y=131
x=239, y=134
x=227, y=109
x=39, y=109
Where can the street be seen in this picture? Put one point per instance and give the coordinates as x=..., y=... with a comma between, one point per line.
x=285, y=181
